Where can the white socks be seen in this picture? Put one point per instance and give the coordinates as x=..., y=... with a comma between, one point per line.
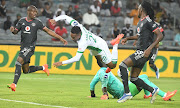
x=43, y=67
x=115, y=53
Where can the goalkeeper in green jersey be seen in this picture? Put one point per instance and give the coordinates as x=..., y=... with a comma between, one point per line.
x=109, y=83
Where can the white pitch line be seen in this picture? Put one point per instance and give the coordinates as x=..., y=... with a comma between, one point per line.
x=34, y=103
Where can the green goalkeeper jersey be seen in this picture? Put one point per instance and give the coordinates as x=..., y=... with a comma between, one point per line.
x=113, y=85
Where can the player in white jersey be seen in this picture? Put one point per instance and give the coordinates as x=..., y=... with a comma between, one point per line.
x=87, y=40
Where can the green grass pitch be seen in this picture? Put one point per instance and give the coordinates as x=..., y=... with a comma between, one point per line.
x=40, y=91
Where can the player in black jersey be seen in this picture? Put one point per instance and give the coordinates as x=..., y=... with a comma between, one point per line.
x=29, y=26
x=154, y=53
x=146, y=29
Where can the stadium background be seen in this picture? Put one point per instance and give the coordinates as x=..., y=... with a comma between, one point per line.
x=167, y=60
x=60, y=90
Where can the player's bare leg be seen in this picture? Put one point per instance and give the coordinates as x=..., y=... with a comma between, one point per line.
x=102, y=64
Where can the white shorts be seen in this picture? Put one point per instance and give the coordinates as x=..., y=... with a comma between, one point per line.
x=105, y=53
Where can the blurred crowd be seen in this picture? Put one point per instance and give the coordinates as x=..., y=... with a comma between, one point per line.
x=91, y=16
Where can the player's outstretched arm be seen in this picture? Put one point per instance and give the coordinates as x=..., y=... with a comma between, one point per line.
x=72, y=60
x=13, y=30
x=123, y=41
x=53, y=34
x=65, y=18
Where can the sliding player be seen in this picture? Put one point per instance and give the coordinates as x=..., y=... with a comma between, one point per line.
x=110, y=83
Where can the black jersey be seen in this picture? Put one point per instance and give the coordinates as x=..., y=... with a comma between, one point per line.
x=145, y=32
x=29, y=31
x=161, y=29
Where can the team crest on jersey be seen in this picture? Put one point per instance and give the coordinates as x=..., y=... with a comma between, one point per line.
x=75, y=23
x=138, y=30
x=141, y=24
x=106, y=76
x=23, y=24
x=27, y=28
x=33, y=24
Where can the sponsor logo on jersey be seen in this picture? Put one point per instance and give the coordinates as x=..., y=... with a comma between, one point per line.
x=27, y=28
x=138, y=30
x=33, y=24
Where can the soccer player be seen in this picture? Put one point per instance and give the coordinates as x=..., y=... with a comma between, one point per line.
x=154, y=53
x=87, y=40
x=110, y=83
x=146, y=29
x=29, y=26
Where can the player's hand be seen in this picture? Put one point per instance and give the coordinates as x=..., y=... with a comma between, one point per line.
x=123, y=41
x=12, y=29
x=104, y=97
x=134, y=44
x=147, y=53
x=64, y=42
x=52, y=21
x=57, y=64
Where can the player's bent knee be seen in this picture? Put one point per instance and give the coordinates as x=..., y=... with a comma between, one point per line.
x=122, y=64
x=18, y=63
x=25, y=71
x=111, y=65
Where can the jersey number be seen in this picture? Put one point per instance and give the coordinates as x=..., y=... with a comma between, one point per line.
x=89, y=37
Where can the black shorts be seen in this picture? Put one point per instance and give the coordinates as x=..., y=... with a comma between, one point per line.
x=138, y=59
x=26, y=54
x=153, y=57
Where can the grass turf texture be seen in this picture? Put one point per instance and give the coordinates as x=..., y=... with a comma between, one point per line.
x=72, y=91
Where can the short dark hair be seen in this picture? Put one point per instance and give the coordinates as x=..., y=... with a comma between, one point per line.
x=46, y=3
x=148, y=9
x=75, y=30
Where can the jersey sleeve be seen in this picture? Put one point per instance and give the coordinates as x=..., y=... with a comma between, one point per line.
x=74, y=59
x=18, y=25
x=152, y=26
x=94, y=81
x=41, y=25
x=68, y=19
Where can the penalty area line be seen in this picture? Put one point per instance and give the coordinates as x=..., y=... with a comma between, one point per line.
x=32, y=103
